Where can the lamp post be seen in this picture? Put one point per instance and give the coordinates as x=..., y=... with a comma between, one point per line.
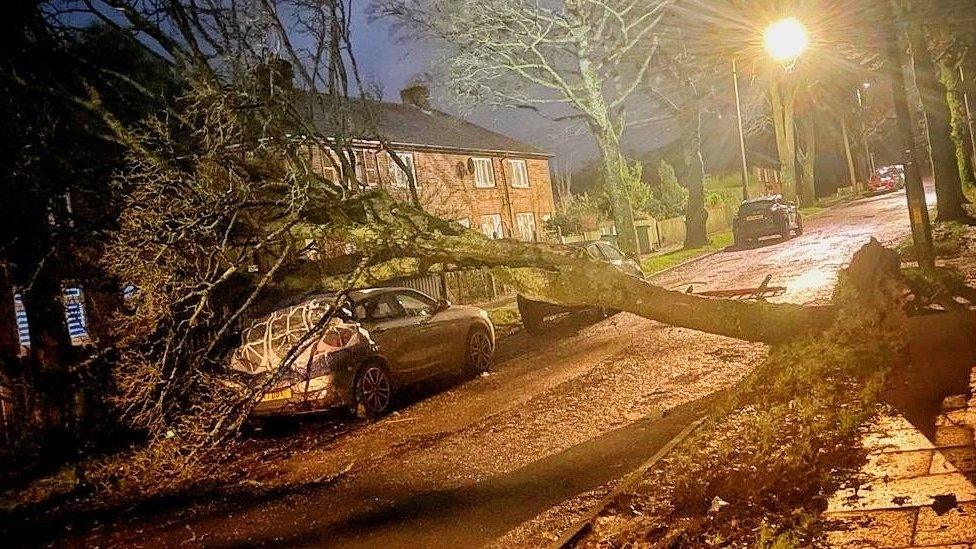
x=785, y=41
x=742, y=137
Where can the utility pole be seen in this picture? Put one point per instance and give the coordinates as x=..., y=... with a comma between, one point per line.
x=918, y=211
x=850, y=156
x=742, y=136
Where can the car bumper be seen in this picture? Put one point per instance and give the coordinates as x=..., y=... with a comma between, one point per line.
x=315, y=395
x=762, y=229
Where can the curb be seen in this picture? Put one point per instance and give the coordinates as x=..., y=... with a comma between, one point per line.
x=582, y=526
x=685, y=263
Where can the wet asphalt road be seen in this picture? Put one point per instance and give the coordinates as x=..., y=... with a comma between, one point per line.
x=565, y=413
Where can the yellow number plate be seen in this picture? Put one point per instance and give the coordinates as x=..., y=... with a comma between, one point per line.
x=283, y=394
x=756, y=217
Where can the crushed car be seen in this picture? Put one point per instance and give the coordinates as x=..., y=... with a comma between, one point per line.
x=376, y=341
x=536, y=313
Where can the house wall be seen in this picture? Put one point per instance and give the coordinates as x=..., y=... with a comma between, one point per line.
x=447, y=187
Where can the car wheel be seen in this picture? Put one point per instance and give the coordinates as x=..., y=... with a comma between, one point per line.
x=799, y=225
x=480, y=351
x=374, y=391
x=786, y=232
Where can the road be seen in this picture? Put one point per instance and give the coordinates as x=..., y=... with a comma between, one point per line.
x=513, y=457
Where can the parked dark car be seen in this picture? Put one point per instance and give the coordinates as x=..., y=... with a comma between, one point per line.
x=382, y=339
x=764, y=217
x=535, y=313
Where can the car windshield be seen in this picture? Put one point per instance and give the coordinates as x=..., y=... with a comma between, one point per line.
x=756, y=207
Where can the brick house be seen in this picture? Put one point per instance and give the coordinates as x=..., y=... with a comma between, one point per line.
x=464, y=172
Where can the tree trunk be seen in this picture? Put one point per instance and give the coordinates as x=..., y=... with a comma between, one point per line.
x=959, y=123
x=607, y=133
x=614, y=171
x=918, y=212
x=782, y=98
x=808, y=158
x=553, y=274
x=693, y=178
x=948, y=186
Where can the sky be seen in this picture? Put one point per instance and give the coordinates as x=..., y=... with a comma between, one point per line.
x=391, y=64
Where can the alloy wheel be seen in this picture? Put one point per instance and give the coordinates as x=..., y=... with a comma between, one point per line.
x=374, y=390
x=480, y=352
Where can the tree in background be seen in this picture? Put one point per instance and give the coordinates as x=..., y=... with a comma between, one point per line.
x=949, y=172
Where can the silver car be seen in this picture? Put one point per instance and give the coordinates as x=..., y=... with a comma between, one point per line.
x=383, y=339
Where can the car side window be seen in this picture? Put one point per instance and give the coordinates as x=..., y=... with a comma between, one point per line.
x=415, y=305
x=611, y=253
x=378, y=308
x=595, y=253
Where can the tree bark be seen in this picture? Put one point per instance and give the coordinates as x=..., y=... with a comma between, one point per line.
x=948, y=185
x=693, y=176
x=614, y=171
x=782, y=98
x=808, y=157
x=958, y=121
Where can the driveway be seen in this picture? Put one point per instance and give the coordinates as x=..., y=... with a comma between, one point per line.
x=512, y=457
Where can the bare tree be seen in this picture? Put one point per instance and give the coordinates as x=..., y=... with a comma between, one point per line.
x=582, y=60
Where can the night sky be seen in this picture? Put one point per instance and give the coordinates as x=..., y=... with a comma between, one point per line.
x=390, y=63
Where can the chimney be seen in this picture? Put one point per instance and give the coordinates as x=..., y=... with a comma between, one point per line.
x=417, y=95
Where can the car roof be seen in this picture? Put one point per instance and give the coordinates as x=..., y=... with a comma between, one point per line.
x=765, y=198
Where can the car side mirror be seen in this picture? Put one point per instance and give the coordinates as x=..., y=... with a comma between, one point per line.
x=442, y=305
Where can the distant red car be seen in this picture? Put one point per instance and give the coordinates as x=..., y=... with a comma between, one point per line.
x=886, y=180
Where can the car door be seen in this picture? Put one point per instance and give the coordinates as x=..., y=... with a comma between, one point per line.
x=436, y=335
x=394, y=333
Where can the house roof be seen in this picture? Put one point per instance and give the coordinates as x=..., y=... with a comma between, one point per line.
x=411, y=127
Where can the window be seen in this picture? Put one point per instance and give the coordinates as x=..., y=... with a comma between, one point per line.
x=526, y=226
x=366, y=175
x=415, y=304
x=378, y=308
x=466, y=221
x=491, y=226
x=520, y=174
x=484, y=175
x=400, y=177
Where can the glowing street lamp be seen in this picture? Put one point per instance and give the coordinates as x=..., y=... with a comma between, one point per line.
x=786, y=40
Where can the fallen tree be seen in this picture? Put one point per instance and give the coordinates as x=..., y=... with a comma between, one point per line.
x=225, y=215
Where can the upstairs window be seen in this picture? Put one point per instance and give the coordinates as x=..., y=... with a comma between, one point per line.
x=484, y=175
x=520, y=174
x=400, y=178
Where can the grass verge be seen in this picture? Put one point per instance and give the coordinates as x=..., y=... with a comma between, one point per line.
x=657, y=263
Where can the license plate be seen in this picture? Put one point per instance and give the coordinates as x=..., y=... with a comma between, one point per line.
x=283, y=394
x=755, y=218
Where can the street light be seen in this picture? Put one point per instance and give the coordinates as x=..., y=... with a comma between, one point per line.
x=785, y=41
